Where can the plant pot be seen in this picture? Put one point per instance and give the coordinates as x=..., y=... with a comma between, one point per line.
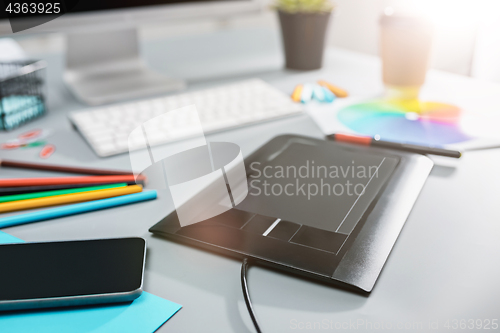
x=304, y=39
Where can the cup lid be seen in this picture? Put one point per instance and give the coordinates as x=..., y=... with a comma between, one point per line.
x=390, y=16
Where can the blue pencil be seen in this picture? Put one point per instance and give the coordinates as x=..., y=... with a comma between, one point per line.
x=76, y=209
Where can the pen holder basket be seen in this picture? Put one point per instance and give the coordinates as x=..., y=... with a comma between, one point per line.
x=21, y=92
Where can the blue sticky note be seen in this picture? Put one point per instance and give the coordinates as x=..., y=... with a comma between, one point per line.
x=6, y=238
x=143, y=315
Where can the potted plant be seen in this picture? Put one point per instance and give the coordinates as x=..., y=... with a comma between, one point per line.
x=303, y=27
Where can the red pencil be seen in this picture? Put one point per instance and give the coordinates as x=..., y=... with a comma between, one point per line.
x=16, y=182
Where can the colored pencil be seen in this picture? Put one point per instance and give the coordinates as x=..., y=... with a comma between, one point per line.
x=297, y=92
x=67, y=198
x=30, y=189
x=35, y=195
x=339, y=92
x=60, y=168
x=369, y=141
x=14, y=182
x=78, y=208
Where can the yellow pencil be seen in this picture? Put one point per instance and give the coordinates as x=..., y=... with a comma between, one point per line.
x=68, y=198
x=339, y=92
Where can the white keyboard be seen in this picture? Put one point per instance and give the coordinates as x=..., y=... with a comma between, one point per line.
x=107, y=128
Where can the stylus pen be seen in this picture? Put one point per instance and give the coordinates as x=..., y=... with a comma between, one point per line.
x=369, y=141
x=78, y=208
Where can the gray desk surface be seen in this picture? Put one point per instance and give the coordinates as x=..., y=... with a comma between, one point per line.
x=444, y=266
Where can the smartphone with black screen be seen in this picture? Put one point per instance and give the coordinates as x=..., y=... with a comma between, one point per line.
x=72, y=273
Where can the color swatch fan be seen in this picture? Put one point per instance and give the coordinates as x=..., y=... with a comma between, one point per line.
x=425, y=123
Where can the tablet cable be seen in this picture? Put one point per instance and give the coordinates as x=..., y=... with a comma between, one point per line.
x=246, y=294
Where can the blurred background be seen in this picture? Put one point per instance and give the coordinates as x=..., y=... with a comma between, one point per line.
x=467, y=39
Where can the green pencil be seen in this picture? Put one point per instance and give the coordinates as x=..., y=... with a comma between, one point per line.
x=35, y=195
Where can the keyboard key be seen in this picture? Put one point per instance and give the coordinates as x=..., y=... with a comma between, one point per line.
x=106, y=148
x=102, y=137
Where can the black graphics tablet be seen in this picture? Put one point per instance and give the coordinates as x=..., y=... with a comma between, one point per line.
x=323, y=209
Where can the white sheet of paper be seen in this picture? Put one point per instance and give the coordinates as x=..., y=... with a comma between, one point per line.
x=479, y=101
